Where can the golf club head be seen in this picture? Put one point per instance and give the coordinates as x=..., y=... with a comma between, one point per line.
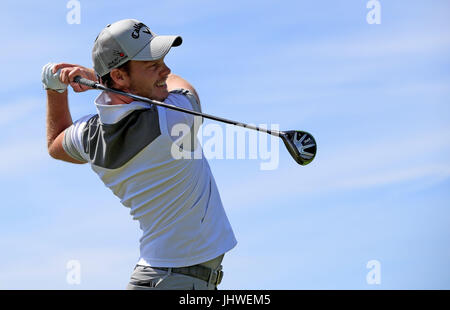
x=301, y=145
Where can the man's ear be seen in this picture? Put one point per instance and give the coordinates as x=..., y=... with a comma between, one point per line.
x=121, y=78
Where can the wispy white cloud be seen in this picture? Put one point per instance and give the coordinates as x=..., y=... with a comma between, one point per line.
x=22, y=147
x=440, y=87
x=396, y=43
x=100, y=268
x=346, y=168
x=438, y=172
x=22, y=156
x=21, y=108
x=68, y=234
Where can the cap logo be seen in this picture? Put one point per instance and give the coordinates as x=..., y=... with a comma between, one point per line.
x=137, y=29
x=118, y=53
x=117, y=59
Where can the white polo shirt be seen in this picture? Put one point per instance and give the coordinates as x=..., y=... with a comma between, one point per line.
x=176, y=201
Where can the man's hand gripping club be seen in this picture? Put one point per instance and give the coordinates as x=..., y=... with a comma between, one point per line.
x=58, y=76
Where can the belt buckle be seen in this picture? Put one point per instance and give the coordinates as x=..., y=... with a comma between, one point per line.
x=219, y=277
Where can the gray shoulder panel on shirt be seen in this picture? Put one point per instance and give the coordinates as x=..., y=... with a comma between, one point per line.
x=113, y=145
x=192, y=99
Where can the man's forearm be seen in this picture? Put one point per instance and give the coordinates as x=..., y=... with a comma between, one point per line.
x=58, y=115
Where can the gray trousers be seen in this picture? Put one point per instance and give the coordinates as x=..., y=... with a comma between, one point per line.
x=152, y=278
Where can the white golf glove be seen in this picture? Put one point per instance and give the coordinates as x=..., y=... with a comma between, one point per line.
x=51, y=80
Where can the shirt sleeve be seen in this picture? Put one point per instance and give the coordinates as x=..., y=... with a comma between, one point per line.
x=72, y=142
x=183, y=98
x=195, y=104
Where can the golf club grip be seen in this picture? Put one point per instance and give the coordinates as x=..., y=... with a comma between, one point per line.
x=81, y=80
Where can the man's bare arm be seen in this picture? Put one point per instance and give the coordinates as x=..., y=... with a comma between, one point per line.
x=58, y=119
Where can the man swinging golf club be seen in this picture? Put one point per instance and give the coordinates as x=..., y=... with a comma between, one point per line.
x=185, y=231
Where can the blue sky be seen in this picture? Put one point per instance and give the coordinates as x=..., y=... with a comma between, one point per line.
x=375, y=97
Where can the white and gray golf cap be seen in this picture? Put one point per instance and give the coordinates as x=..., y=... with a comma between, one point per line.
x=128, y=39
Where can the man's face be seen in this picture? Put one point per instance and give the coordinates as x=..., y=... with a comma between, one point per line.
x=148, y=79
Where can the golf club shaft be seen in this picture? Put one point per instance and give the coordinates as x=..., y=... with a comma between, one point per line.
x=89, y=83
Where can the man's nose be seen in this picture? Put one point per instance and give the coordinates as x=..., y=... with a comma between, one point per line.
x=165, y=69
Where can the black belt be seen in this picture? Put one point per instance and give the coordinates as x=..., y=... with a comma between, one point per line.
x=198, y=271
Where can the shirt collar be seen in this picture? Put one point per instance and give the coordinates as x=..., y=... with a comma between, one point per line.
x=110, y=114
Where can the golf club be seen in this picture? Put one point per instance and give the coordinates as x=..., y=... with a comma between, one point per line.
x=300, y=144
